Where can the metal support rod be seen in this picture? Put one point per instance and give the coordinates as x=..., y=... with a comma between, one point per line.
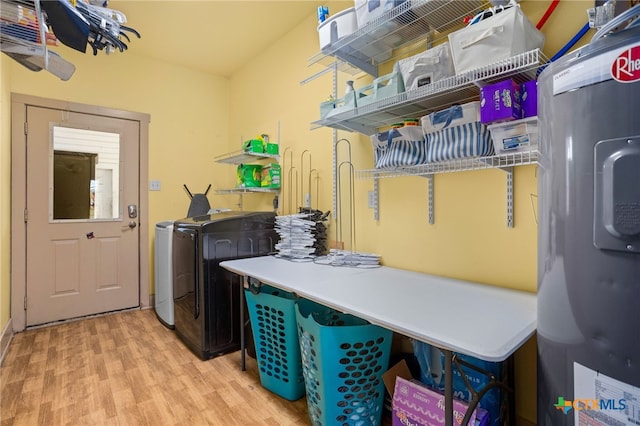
x=336, y=185
x=376, y=199
x=293, y=191
x=302, y=176
x=335, y=144
x=352, y=207
x=245, y=280
x=316, y=75
x=45, y=49
x=477, y=393
x=335, y=173
x=448, y=387
x=317, y=195
x=509, y=171
x=430, y=199
x=510, y=367
x=282, y=175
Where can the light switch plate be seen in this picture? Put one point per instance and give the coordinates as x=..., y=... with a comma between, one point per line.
x=154, y=185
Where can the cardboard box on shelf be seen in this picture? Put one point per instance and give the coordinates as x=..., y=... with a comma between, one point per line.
x=417, y=405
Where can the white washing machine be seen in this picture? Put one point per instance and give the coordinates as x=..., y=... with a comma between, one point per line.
x=164, y=273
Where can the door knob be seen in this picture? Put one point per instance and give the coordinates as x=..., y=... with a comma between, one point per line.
x=132, y=224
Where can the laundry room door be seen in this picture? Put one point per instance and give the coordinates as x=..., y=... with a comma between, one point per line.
x=82, y=244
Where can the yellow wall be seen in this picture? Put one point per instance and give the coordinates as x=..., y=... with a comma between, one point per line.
x=5, y=190
x=469, y=240
x=195, y=117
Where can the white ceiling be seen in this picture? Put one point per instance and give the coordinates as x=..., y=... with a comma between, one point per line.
x=215, y=36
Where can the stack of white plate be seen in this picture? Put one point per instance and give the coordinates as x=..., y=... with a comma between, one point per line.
x=296, y=236
x=350, y=258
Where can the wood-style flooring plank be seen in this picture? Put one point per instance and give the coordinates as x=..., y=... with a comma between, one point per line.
x=128, y=369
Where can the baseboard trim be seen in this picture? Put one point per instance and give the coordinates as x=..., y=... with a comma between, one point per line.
x=5, y=340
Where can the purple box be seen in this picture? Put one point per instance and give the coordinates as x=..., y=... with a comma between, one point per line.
x=500, y=102
x=414, y=404
x=529, y=98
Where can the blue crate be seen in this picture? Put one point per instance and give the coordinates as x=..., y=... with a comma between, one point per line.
x=273, y=321
x=343, y=359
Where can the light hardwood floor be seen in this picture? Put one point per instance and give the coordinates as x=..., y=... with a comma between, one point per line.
x=128, y=369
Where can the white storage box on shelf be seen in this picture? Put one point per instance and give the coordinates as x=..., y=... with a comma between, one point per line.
x=426, y=67
x=394, y=30
x=456, y=132
x=493, y=39
x=337, y=26
x=368, y=10
x=515, y=136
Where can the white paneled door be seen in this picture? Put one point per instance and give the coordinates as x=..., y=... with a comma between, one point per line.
x=82, y=251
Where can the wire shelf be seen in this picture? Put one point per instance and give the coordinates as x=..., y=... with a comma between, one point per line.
x=460, y=165
x=24, y=37
x=240, y=157
x=20, y=23
x=435, y=96
x=373, y=43
x=246, y=190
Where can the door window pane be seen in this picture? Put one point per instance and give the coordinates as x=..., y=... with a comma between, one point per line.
x=86, y=174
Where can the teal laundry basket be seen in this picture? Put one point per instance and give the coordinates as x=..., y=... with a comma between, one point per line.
x=273, y=322
x=343, y=359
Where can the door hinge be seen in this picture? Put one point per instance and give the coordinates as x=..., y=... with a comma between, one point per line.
x=26, y=215
x=25, y=303
x=26, y=127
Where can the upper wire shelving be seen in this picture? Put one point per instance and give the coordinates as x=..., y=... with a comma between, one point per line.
x=24, y=38
x=432, y=97
x=373, y=43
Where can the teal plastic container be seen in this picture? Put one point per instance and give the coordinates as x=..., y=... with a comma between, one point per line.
x=273, y=321
x=343, y=359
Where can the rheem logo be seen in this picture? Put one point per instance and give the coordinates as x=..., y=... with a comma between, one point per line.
x=626, y=67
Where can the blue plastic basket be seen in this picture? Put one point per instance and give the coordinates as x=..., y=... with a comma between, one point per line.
x=273, y=321
x=343, y=359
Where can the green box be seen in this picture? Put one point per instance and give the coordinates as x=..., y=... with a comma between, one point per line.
x=254, y=145
x=271, y=176
x=272, y=148
x=249, y=175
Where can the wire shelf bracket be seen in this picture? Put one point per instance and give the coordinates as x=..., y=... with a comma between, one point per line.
x=504, y=162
